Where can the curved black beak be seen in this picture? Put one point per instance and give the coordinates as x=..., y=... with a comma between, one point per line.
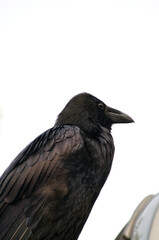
x=116, y=116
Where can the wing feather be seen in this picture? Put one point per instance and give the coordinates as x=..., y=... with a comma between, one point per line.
x=35, y=184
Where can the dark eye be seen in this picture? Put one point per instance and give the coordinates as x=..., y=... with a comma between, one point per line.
x=101, y=106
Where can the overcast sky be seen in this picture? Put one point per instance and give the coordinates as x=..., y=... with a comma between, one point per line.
x=52, y=50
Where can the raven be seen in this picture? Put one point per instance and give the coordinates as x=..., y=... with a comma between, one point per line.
x=49, y=189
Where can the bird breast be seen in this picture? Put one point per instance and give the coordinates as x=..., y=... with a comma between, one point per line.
x=101, y=150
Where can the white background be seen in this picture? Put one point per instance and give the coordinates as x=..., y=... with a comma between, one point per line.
x=52, y=50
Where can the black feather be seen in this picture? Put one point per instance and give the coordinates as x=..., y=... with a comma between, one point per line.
x=49, y=189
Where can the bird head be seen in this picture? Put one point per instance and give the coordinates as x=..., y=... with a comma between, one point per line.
x=89, y=113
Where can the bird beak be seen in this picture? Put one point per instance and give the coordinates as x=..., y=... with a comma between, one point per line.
x=116, y=116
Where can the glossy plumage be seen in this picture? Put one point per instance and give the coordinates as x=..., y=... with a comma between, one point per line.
x=49, y=189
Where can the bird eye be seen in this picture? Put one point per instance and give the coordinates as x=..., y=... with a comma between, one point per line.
x=101, y=106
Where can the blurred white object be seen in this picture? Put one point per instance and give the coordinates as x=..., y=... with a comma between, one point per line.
x=144, y=223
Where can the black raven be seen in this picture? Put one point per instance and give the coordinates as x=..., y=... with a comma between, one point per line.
x=49, y=189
